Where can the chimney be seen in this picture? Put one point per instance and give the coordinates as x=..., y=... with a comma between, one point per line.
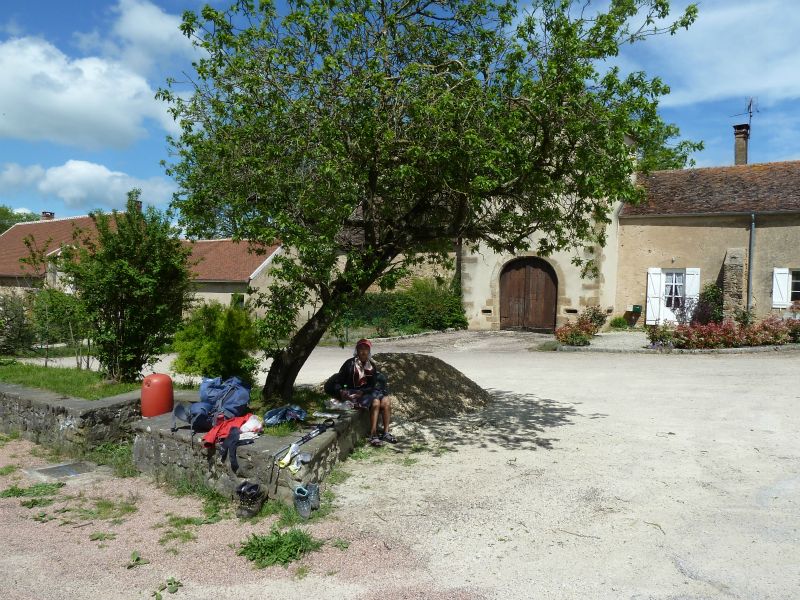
x=741, y=134
x=47, y=215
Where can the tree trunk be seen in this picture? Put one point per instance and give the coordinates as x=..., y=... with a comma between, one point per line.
x=286, y=366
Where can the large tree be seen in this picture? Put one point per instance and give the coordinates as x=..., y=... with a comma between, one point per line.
x=367, y=134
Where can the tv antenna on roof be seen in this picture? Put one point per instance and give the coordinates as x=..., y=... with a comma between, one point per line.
x=752, y=106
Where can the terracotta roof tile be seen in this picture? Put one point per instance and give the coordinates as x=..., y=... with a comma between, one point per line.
x=226, y=260
x=12, y=246
x=217, y=260
x=767, y=187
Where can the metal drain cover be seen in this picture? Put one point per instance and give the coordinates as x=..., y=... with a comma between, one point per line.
x=66, y=470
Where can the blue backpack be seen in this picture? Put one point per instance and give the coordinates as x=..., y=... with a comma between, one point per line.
x=218, y=399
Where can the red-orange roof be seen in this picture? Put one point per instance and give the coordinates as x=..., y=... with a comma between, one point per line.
x=12, y=247
x=217, y=260
x=226, y=260
x=764, y=187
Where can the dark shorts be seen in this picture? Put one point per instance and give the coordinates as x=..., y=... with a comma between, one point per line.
x=366, y=400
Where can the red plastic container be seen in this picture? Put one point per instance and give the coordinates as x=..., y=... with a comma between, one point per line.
x=157, y=396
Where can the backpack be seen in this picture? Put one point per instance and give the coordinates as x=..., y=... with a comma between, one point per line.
x=218, y=400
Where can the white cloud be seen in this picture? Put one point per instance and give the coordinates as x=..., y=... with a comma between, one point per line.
x=735, y=49
x=82, y=184
x=16, y=177
x=147, y=35
x=142, y=37
x=88, y=102
x=23, y=211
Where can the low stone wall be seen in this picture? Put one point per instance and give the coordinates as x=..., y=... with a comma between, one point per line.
x=50, y=418
x=173, y=455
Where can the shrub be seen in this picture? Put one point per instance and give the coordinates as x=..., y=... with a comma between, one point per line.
x=575, y=334
x=592, y=317
x=133, y=279
x=426, y=305
x=16, y=331
x=709, y=305
x=618, y=323
x=216, y=341
x=58, y=317
x=744, y=317
x=793, y=327
x=660, y=335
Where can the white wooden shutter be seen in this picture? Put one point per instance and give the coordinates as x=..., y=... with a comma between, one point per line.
x=655, y=296
x=780, y=287
x=692, y=289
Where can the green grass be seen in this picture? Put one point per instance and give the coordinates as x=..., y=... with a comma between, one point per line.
x=215, y=506
x=178, y=528
x=8, y=437
x=102, y=536
x=341, y=544
x=337, y=476
x=37, y=490
x=88, y=385
x=36, y=502
x=282, y=429
x=7, y=470
x=105, y=509
x=277, y=547
x=119, y=456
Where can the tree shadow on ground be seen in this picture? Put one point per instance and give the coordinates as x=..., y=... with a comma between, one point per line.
x=511, y=421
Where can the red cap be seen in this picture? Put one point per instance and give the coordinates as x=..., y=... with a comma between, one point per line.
x=364, y=342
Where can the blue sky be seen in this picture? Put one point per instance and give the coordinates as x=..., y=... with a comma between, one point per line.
x=79, y=125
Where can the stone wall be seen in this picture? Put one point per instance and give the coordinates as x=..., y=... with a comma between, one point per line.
x=733, y=282
x=53, y=419
x=175, y=455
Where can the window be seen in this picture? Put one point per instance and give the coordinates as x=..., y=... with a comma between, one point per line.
x=794, y=294
x=674, y=289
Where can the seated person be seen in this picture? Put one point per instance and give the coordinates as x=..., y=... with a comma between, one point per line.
x=360, y=382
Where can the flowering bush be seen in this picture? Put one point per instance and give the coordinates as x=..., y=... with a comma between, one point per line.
x=575, y=334
x=592, y=318
x=729, y=334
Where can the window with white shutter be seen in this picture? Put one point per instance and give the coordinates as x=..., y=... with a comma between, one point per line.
x=781, y=283
x=654, y=296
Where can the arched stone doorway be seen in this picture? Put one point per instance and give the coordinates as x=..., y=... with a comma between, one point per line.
x=528, y=295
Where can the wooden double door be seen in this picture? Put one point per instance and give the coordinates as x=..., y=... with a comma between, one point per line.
x=528, y=295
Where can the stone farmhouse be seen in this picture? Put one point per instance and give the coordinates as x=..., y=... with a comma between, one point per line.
x=738, y=226
x=221, y=268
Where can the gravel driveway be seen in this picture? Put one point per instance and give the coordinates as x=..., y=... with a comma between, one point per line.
x=593, y=475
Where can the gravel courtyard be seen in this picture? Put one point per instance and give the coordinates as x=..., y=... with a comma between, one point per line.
x=593, y=475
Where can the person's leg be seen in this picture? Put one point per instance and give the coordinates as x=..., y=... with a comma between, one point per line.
x=386, y=415
x=374, y=410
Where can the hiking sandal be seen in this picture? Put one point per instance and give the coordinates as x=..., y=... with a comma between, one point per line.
x=375, y=441
x=388, y=437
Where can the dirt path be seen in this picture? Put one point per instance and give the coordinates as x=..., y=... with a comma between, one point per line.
x=592, y=476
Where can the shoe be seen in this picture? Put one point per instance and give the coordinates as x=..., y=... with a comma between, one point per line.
x=302, y=502
x=388, y=437
x=375, y=441
x=313, y=495
x=251, y=499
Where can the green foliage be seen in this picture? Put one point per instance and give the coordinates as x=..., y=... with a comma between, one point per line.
x=171, y=585
x=101, y=536
x=709, y=305
x=8, y=217
x=278, y=548
x=426, y=305
x=132, y=278
x=367, y=136
x=136, y=560
x=16, y=329
x=37, y=490
x=58, y=317
x=618, y=323
x=744, y=317
x=119, y=456
x=77, y=383
x=660, y=335
x=216, y=341
x=7, y=470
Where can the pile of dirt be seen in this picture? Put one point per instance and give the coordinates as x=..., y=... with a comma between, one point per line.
x=423, y=387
